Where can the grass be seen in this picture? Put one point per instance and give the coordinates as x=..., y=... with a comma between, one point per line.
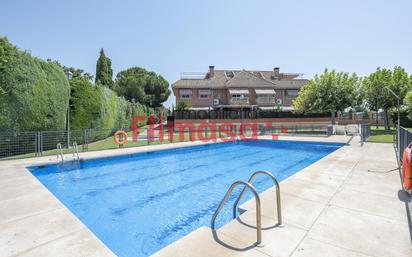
x=379, y=135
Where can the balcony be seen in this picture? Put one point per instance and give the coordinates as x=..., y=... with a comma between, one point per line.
x=266, y=100
x=239, y=101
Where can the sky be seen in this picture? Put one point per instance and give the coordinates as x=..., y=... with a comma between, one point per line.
x=170, y=37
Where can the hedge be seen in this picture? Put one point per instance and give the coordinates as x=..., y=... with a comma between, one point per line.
x=85, y=104
x=98, y=107
x=34, y=94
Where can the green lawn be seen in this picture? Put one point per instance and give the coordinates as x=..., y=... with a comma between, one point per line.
x=379, y=135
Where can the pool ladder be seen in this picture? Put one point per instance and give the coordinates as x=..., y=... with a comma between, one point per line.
x=249, y=185
x=76, y=152
x=75, y=148
x=60, y=151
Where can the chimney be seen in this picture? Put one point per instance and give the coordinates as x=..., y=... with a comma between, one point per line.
x=211, y=71
x=276, y=72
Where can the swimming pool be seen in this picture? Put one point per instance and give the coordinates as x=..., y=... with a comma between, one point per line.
x=138, y=204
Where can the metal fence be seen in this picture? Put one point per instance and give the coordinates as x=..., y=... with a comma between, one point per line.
x=365, y=132
x=304, y=130
x=42, y=143
x=30, y=144
x=242, y=114
x=405, y=137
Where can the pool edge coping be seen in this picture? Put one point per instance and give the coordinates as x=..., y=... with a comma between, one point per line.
x=20, y=167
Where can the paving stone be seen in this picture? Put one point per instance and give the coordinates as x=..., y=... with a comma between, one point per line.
x=80, y=243
x=202, y=243
x=360, y=232
x=371, y=203
x=276, y=240
x=38, y=201
x=24, y=234
x=295, y=210
x=312, y=248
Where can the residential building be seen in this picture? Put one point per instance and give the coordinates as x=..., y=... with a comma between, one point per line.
x=233, y=89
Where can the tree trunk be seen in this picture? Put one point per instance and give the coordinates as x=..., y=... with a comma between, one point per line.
x=386, y=119
x=377, y=118
x=333, y=118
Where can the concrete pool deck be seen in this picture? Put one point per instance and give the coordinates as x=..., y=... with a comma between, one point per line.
x=334, y=207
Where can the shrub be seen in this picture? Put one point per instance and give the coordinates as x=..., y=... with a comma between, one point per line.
x=183, y=105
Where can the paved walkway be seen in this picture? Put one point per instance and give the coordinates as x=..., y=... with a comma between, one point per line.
x=334, y=207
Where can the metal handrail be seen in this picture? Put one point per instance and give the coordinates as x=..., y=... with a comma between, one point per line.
x=258, y=211
x=60, y=149
x=76, y=151
x=250, y=181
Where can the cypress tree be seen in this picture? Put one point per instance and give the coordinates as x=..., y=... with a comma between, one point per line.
x=104, y=72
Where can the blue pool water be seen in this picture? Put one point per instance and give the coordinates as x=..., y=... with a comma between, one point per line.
x=138, y=204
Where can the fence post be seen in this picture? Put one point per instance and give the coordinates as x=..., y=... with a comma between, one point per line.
x=404, y=144
x=41, y=143
x=147, y=136
x=36, y=144
x=84, y=140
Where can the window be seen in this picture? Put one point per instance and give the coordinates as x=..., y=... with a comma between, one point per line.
x=185, y=93
x=292, y=92
x=229, y=74
x=204, y=93
x=236, y=96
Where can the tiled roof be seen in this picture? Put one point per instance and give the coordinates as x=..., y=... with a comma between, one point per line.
x=242, y=78
x=248, y=79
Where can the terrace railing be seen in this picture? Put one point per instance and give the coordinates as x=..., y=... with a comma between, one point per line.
x=239, y=101
x=266, y=100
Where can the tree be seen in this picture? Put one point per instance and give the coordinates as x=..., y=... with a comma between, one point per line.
x=331, y=91
x=77, y=73
x=376, y=94
x=182, y=105
x=142, y=86
x=104, y=72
